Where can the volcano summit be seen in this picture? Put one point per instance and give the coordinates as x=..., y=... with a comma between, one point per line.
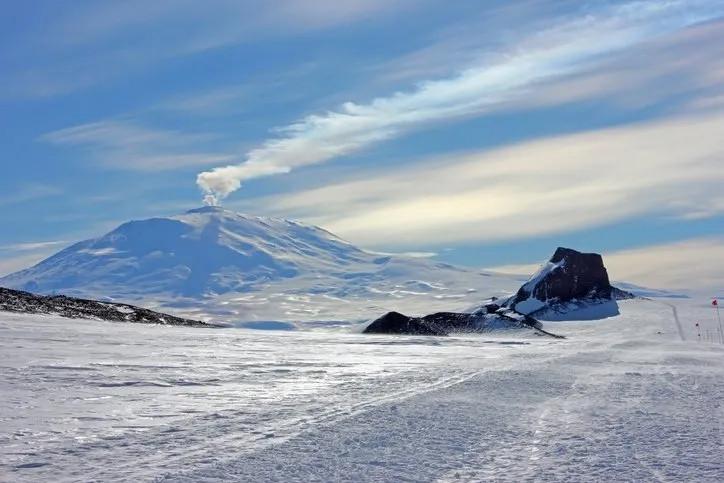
x=231, y=266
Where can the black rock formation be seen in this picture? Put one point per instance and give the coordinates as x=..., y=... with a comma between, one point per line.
x=451, y=322
x=576, y=276
x=570, y=280
x=445, y=323
x=28, y=303
x=490, y=308
x=570, y=283
x=397, y=323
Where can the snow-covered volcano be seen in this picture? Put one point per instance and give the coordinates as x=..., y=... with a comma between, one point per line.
x=203, y=251
x=234, y=266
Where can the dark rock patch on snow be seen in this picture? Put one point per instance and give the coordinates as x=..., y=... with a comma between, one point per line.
x=569, y=282
x=571, y=285
x=75, y=308
x=572, y=275
x=397, y=323
x=446, y=323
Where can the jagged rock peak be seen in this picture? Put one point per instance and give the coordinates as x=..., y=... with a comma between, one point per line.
x=569, y=281
x=574, y=275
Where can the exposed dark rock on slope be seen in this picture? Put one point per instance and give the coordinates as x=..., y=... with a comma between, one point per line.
x=397, y=323
x=25, y=302
x=569, y=282
x=445, y=323
x=572, y=275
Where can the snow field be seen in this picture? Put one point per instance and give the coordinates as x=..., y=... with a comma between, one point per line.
x=623, y=399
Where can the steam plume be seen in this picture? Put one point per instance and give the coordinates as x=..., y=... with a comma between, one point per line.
x=564, y=49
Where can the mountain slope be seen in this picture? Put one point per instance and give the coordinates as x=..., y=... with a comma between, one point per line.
x=214, y=263
x=208, y=250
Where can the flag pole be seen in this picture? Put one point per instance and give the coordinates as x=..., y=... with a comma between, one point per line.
x=721, y=334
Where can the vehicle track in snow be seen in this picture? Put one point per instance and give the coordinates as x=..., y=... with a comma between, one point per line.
x=675, y=312
x=209, y=438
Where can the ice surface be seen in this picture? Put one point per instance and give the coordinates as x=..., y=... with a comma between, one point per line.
x=621, y=399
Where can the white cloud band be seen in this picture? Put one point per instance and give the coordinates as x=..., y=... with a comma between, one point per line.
x=558, y=51
x=563, y=183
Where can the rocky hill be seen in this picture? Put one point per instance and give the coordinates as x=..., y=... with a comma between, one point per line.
x=28, y=303
x=570, y=285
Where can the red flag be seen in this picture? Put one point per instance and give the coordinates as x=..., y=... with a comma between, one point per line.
x=714, y=302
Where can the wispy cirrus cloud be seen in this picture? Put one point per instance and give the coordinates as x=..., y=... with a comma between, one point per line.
x=73, y=49
x=124, y=145
x=534, y=188
x=566, y=49
x=32, y=246
x=15, y=263
x=446, y=51
x=262, y=92
x=17, y=256
x=29, y=192
x=220, y=23
x=686, y=265
x=209, y=102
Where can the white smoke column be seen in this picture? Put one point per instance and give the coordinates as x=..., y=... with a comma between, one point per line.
x=555, y=52
x=210, y=200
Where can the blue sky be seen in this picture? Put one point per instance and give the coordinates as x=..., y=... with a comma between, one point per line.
x=485, y=132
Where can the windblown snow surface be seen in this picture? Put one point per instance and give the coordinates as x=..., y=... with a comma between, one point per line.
x=621, y=399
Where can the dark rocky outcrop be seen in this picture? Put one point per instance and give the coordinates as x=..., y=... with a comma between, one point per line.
x=570, y=285
x=397, y=323
x=28, y=303
x=451, y=322
x=445, y=323
x=568, y=275
x=568, y=282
